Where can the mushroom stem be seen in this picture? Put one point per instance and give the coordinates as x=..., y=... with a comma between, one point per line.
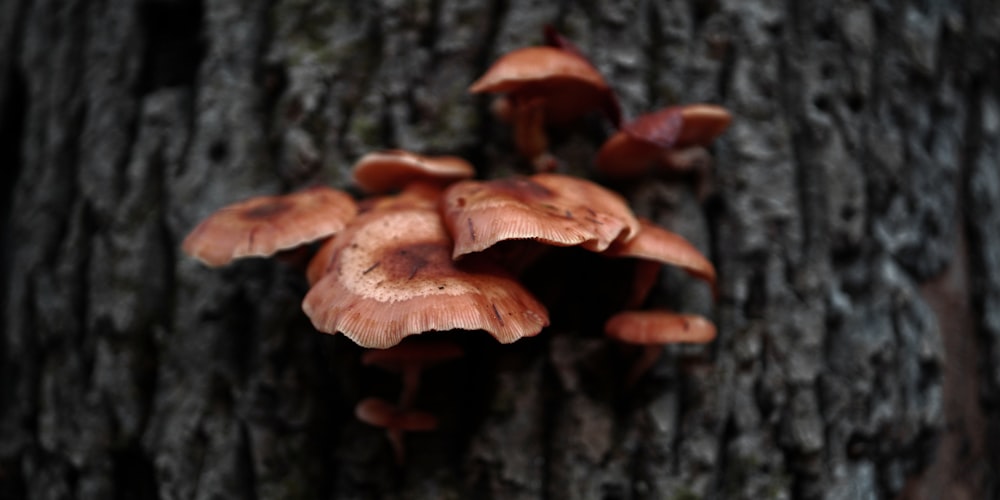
x=695, y=159
x=647, y=359
x=646, y=274
x=395, y=437
x=411, y=385
x=529, y=133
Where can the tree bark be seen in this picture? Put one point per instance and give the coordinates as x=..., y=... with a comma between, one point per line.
x=854, y=220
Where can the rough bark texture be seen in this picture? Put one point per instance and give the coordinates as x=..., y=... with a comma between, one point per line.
x=855, y=223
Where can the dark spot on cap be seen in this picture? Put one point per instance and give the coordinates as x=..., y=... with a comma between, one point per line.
x=268, y=210
x=496, y=313
x=405, y=261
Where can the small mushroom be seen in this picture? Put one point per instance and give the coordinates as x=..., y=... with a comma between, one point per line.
x=655, y=246
x=672, y=137
x=265, y=225
x=390, y=275
x=553, y=209
x=545, y=85
x=652, y=330
x=410, y=358
x=380, y=413
x=392, y=170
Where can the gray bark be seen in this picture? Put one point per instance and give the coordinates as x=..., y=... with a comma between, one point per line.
x=854, y=222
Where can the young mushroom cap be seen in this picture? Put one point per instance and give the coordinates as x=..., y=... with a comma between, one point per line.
x=649, y=139
x=553, y=209
x=386, y=171
x=652, y=329
x=395, y=420
x=659, y=327
x=680, y=126
x=654, y=243
x=391, y=275
x=265, y=225
x=569, y=84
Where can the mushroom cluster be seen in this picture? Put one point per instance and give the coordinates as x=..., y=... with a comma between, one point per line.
x=432, y=249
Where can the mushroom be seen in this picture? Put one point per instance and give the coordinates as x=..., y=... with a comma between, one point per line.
x=265, y=225
x=653, y=329
x=380, y=413
x=410, y=358
x=672, y=137
x=549, y=208
x=654, y=246
x=545, y=85
x=391, y=275
x=392, y=170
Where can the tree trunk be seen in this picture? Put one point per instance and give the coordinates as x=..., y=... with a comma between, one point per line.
x=854, y=220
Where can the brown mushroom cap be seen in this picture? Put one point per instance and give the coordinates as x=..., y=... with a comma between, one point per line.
x=553, y=209
x=265, y=225
x=680, y=126
x=655, y=243
x=659, y=327
x=649, y=139
x=385, y=171
x=395, y=420
x=391, y=275
x=570, y=85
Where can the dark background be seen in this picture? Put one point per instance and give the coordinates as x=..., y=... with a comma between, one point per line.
x=854, y=220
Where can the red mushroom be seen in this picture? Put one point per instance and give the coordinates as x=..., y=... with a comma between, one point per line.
x=672, y=137
x=265, y=225
x=392, y=170
x=391, y=275
x=380, y=413
x=652, y=330
x=545, y=85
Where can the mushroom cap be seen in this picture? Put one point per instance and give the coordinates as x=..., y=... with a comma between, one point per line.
x=569, y=83
x=265, y=225
x=625, y=156
x=654, y=243
x=380, y=413
x=680, y=126
x=412, y=353
x=385, y=171
x=415, y=195
x=659, y=327
x=648, y=140
x=391, y=275
x=553, y=209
